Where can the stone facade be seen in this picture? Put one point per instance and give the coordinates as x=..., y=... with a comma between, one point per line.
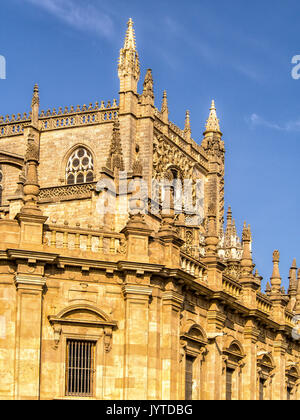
x=140, y=304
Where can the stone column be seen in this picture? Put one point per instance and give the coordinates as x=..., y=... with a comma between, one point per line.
x=136, y=341
x=28, y=336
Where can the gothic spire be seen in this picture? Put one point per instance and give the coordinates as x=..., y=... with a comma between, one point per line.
x=213, y=124
x=129, y=64
x=130, y=43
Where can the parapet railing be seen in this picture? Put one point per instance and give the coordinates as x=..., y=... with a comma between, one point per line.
x=193, y=267
x=289, y=319
x=65, y=237
x=232, y=287
x=263, y=304
x=61, y=118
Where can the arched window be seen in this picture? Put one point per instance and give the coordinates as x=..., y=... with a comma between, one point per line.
x=80, y=167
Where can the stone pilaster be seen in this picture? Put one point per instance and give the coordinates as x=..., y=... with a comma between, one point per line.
x=279, y=382
x=214, y=359
x=136, y=341
x=171, y=308
x=28, y=336
x=249, y=389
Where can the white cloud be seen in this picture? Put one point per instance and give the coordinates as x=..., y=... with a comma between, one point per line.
x=82, y=16
x=255, y=120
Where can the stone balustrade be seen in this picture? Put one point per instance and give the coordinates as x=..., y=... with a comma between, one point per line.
x=263, y=304
x=64, y=237
x=193, y=267
x=231, y=287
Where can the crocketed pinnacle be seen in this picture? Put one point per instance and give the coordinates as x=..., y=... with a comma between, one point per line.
x=129, y=64
x=297, y=307
x=246, y=261
x=35, y=97
x=293, y=278
x=164, y=106
x=213, y=124
x=187, y=126
x=148, y=95
x=115, y=158
x=130, y=43
x=35, y=103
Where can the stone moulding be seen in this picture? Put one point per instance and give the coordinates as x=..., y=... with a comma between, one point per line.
x=101, y=320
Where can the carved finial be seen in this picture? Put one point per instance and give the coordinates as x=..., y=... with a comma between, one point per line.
x=211, y=237
x=148, y=95
x=213, y=124
x=164, y=106
x=115, y=159
x=187, y=127
x=31, y=187
x=292, y=290
x=293, y=278
x=246, y=261
x=35, y=104
x=297, y=307
x=35, y=98
x=276, y=279
x=247, y=236
x=229, y=215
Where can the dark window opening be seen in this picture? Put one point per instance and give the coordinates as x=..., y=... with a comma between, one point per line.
x=80, y=368
x=229, y=375
x=261, y=389
x=189, y=363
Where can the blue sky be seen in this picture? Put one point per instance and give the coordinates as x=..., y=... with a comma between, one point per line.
x=236, y=52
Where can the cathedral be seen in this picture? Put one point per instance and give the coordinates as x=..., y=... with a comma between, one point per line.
x=111, y=287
